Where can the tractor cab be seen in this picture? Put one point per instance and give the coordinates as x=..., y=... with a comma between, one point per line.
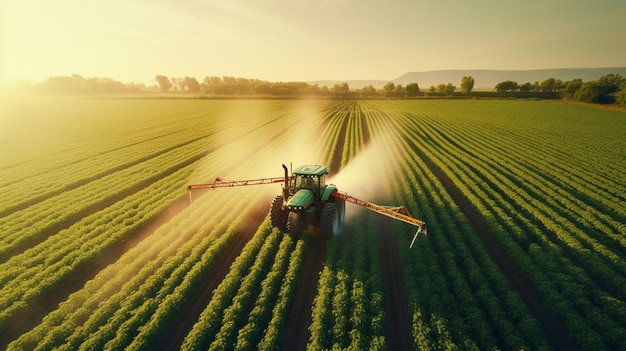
x=310, y=177
x=308, y=183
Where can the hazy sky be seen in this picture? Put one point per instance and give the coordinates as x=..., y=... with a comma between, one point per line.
x=303, y=40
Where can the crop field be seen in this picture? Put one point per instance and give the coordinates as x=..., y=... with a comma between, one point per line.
x=101, y=249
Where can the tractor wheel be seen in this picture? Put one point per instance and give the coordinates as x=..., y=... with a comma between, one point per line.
x=294, y=222
x=278, y=215
x=330, y=220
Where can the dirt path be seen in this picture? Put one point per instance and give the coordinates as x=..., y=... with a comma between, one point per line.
x=297, y=333
x=555, y=332
x=398, y=326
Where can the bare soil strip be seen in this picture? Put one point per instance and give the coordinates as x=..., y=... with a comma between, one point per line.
x=398, y=326
x=555, y=332
x=297, y=332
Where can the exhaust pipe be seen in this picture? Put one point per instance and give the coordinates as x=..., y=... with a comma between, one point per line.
x=286, y=185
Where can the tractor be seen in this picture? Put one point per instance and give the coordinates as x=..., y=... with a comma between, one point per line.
x=306, y=200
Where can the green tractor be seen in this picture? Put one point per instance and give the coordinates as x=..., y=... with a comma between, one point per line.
x=307, y=201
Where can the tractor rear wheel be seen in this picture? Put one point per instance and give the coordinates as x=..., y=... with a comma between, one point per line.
x=278, y=215
x=330, y=220
x=295, y=223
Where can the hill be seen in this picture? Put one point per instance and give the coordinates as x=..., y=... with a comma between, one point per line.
x=485, y=78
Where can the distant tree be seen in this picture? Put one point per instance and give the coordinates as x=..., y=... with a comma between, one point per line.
x=507, y=85
x=412, y=89
x=211, y=85
x=450, y=88
x=547, y=86
x=389, y=88
x=440, y=89
x=311, y=90
x=526, y=87
x=551, y=85
x=400, y=91
x=620, y=96
x=536, y=86
x=283, y=89
x=77, y=84
x=177, y=83
x=263, y=88
x=467, y=84
x=368, y=91
x=243, y=86
x=571, y=87
x=164, y=82
x=445, y=89
x=342, y=88
x=191, y=85
x=601, y=91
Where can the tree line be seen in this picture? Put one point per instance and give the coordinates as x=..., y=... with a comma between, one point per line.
x=608, y=89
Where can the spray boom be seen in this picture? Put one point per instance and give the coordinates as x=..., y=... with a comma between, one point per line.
x=323, y=205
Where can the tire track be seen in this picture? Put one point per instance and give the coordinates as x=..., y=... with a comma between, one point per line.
x=297, y=332
x=398, y=326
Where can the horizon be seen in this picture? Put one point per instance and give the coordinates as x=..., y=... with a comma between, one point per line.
x=295, y=40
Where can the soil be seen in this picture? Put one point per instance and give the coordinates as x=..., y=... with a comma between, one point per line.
x=398, y=326
x=297, y=332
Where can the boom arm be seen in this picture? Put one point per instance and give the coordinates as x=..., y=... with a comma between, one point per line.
x=223, y=183
x=399, y=212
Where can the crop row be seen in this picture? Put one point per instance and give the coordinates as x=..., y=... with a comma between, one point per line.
x=449, y=277
x=250, y=306
x=93, y=154
x=20, y=227
x=155, y=268
x=568, y=246
x=519, y=199
x=348, y=308
x=40, y=270
x=28, y=276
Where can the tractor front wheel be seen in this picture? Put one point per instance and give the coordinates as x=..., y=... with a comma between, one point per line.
x=295, y=223
x=278, y=215
x=330, y=220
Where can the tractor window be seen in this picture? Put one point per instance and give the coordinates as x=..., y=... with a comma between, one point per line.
x=303, y=182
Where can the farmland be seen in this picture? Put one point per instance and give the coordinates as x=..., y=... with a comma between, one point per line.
x=100, y=248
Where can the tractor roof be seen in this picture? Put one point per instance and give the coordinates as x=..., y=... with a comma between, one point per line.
x=311, y=170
